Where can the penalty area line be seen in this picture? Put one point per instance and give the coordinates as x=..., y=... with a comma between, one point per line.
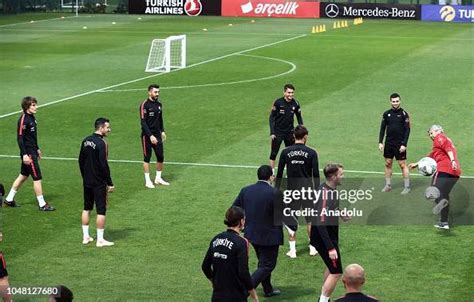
x=203, y=165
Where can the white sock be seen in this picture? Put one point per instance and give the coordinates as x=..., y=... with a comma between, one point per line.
x=147, y=177
x=11, y=195
x=100, y=234
x=85, y=231
x=292, y=245
x=323, y=298
x=158, y=174
x=41, y=201
x=406, y=182
x=388, y=181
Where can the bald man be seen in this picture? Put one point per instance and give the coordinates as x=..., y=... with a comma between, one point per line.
x=353, y=279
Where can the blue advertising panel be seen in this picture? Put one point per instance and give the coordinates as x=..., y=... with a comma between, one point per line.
x=447, y=13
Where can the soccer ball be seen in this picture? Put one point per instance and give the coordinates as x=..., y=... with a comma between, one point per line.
x=427, y=166
x=432, y=192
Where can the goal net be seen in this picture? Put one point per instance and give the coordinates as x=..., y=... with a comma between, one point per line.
x=167, y=54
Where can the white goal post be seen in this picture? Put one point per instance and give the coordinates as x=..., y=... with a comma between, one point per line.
x=167, y=54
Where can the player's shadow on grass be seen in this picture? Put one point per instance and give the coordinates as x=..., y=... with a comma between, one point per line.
x=290, y=293
x=416, y=183
x=119, y=234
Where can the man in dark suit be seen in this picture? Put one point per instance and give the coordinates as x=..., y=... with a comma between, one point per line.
x=259, y=201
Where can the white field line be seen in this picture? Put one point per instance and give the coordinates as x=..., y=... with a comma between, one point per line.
x=203, y=165
x=293, y=68
x=35, y=21
x=155, y=75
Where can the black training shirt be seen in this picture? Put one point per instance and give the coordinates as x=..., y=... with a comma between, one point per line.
x=302, y=168
x=396, y=126
x=151, y=118
x=282, y=116
x=226, y=265
x=93, y=162
x=325, y=227
x=27, y=134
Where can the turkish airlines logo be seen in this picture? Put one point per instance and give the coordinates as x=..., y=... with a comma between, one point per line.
x=447, y=13
x=332, y=10
x=193, y=7
x=268, y=9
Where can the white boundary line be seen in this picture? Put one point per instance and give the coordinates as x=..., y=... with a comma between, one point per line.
x=155, y=75
x=35, y=21
x=293, y=68
x=203, y=165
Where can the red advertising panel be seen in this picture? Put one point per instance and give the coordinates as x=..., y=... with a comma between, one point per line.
x=270, y=8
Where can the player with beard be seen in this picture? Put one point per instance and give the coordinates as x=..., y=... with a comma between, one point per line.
x=395, y=126
x=153, y=135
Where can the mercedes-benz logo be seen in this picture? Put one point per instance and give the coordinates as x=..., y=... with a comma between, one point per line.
x=332, y=10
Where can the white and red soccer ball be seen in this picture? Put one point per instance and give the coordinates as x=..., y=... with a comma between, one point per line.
x=427, y=166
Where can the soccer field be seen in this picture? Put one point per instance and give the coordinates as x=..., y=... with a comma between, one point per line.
x=216, y=119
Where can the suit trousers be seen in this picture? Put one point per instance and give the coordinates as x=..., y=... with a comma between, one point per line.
x=267, y=260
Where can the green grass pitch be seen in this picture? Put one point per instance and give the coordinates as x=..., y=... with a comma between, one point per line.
x=343, y=79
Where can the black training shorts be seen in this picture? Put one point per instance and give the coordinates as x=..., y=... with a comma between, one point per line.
x=97, y=195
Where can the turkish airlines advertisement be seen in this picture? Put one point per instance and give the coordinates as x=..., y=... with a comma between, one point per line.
x=191, y=8
x=270, y=8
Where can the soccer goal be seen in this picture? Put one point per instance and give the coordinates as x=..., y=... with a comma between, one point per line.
x=167, y=54
x=72, y=3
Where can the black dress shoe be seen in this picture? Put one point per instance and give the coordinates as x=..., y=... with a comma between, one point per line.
x=275, y=292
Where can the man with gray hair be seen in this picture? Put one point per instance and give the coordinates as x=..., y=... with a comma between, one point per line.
x=354, y=279
x=447, y=173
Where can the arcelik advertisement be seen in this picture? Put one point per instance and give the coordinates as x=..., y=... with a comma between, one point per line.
x=270, y=8
x=377, y=11
x=175, y=7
